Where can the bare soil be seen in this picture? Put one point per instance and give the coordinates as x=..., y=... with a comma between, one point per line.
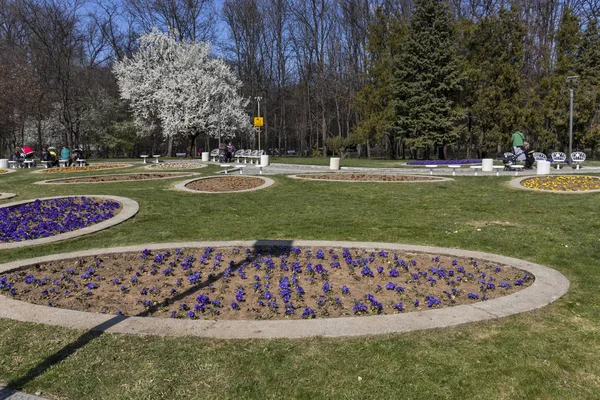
x=262, y=283
x=370, y=177
x=122, y=177
x=232, y=183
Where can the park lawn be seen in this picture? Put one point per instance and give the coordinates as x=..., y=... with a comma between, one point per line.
x=550, y=353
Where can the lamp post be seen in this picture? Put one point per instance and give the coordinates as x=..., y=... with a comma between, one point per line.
x=258, y=99
x=571, y=81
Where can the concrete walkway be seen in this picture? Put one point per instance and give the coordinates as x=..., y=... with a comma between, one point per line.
x=9, y=394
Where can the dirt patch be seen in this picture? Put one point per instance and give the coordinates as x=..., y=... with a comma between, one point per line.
x=371, y=177
x=261, y=283
x=120, y=177
x=217, y=184
x=82, y=169
x=562, y=183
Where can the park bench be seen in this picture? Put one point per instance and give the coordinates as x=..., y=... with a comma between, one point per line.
x=558, y=157
x=256, y=156
x=476, y=168
x=577, y=157
x=63, y=162
x=247, y=153
x=431, y=167
x=15, y=164
x=454, y=167
x=537, y=156
x=47, y=164
x=238, y=154
x=179, y=154
x=214, y=154
x=80, y=162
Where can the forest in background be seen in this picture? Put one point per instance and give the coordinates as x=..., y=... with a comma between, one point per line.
x=419, y=79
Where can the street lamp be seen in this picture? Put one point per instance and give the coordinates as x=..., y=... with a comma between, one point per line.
x=571, y=82
x=258, y=99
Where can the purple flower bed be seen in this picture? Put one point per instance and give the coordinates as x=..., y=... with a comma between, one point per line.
x=264, y=283
x=44, y=218
x=445, y=162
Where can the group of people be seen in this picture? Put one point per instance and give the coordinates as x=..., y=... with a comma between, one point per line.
x=49, y=154
x=521, y=149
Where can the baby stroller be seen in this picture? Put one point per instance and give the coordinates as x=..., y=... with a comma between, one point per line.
x=512, y=159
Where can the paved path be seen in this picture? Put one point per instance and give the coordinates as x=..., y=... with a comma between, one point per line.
x=9, y=394
x=291, y=169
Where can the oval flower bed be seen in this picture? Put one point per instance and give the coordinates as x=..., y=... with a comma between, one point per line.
x=562, y=183
x=50, y=217
x=97, y=167
x=143, y=176
x=354, y=177
x=225, y=184
x=177, y=165
x=261, y=283
x=445, y=162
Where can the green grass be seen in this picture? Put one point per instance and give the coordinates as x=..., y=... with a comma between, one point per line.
x=550, y=353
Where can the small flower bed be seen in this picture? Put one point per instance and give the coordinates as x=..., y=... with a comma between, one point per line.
x=232, y=183
x=44, y=218
x=97, y=167
x=177, y=165
x=370, y=177
x=3, y=171
x=445, y=162
x=261, y=283
x=563, y=183
x=121, y=177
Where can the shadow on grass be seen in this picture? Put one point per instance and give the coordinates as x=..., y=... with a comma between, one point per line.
x=97, y=331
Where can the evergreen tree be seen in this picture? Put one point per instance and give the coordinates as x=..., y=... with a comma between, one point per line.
x=547, y=111
x=374, y=100
x=427, y=79
x=495, y=61
x=587, y=95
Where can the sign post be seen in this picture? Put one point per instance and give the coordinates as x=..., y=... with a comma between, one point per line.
x=258, y=121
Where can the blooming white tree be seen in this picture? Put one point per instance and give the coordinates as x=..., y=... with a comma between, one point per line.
x=180, y=85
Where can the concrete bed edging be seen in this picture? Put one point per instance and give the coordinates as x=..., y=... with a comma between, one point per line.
x=130, y=208
x=6, y=195
x=182, y=185
x=549, y=285
x=437, y=179
x=516, y=183
x=53, y=181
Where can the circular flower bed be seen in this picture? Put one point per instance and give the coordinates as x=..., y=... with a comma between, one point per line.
x=225, y=184
x=118, y=178
x=97, y=167
x=445, y=162
x=261, y=283
x=354, y=177
x=43, y=218
x=562, y=183
x=177, y=165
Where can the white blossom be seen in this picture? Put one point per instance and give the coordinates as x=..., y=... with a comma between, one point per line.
x=183, y=87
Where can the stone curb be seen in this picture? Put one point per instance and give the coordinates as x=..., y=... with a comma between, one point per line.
x=435, y=179
x=167, y=165
x=549, y=285
x=516, y=183
x=127, y=165
x=9, y=394
x=181, y=185
x=52, y=181
x=130, y=208
x=6, y=196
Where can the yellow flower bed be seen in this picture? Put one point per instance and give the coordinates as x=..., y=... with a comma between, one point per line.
x=563, y=183
x=2, y=171
x=82, y=169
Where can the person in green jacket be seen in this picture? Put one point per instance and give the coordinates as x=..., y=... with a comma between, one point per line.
x=517, y=141
x=65, y=154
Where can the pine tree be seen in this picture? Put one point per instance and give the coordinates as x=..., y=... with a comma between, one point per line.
x=588, y=93
x=374, y=100
x=427, y=79
x=495, y=60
